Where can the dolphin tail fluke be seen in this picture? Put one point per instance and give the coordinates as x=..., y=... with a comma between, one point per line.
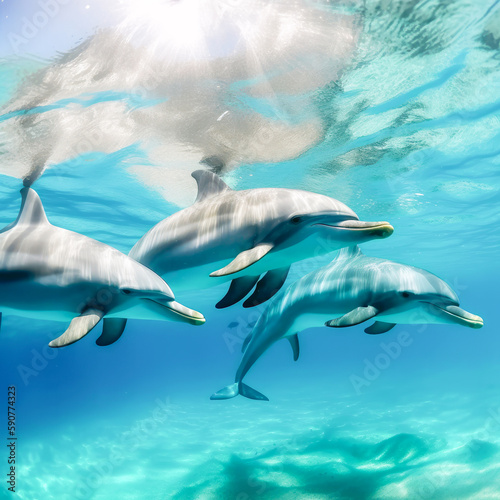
x=233, y=390
x=248, y=392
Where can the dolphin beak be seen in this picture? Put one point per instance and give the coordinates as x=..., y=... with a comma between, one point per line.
x=176, y=312
x=188, y=315
x=458, y=315
x=372, y=229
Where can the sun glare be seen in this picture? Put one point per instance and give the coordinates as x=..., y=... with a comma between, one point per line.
x=181, y=26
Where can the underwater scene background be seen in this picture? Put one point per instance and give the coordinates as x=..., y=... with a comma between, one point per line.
x=392, y=107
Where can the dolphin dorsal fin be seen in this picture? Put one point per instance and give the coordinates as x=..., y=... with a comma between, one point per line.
x=32, y=212
x=209, y=184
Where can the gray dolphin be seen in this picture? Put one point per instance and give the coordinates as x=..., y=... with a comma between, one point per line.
x=239, y=235
x=356, y=288
x=49, y=272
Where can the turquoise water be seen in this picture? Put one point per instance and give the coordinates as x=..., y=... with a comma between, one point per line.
x=392, y=108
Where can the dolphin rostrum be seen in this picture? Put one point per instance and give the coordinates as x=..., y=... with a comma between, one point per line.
x=239, y=235
x=352, y=289
x=49, y=272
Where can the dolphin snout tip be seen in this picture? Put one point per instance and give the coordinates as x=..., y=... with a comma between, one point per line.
x=197, y=319
x=476, y=322
x=463, y=317
x=377, y=229
x=193, y=317
x=382, y=230
x=180, y=312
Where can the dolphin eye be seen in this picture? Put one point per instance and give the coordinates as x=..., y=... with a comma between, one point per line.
x=405, y=294
x=126, y=292
x=296, y=220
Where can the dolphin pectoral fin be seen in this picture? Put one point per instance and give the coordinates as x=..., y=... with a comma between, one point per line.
x=246, y=342
x=268, y=286
x=112, y=329
x=78, y=328
x=294, y=342
x=233, y=390
x=244, y=259
x=354, y=317
x=209, y=184
x=237, y=290
x=379, y=327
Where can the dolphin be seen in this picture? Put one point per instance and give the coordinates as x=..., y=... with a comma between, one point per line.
x=352, y=289
x=50, y=273
x=236, y=236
